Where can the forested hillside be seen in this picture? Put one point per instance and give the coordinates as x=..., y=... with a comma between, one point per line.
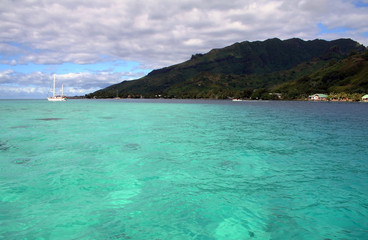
x=252, y=69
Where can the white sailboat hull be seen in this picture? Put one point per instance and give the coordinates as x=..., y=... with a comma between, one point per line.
x=56, y=99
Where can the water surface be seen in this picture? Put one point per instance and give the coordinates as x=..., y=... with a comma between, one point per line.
x=183, y=169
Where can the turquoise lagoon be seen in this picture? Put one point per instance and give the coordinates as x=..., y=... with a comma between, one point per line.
x=183, y=169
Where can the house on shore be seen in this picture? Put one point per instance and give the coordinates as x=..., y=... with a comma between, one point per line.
x=365, y=98
x=277, y=95
x=318, y=97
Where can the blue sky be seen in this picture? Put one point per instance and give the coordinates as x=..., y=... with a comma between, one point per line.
x=92, y=44
x=325, y=30
x=360, y=3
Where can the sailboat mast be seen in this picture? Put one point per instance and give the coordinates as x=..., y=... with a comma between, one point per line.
x=53, y=88
x=61, y=89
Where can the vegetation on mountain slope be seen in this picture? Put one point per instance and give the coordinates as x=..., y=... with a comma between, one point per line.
x=252, y=69
x=349, y=76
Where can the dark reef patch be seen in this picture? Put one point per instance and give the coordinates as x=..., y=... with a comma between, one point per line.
x=21, y=160
x=4, y=145
x=49, y=119
x=120, y=236
x=132, y=146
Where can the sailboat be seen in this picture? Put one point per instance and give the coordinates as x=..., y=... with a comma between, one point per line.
x=56, y=98
x=117, y=95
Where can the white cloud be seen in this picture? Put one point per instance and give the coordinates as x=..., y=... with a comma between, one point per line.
x=158, y=33
x=193, y=42
x=19, y=84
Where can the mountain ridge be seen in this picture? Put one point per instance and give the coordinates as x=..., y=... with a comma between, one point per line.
x=224, y=72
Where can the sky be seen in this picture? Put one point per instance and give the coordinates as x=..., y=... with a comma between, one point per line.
x=92, y=44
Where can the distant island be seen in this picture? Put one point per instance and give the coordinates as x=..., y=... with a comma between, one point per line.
x=270, y=69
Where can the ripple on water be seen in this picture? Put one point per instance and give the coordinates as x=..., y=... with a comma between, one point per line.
x=132, y=146
x=21, y=160
x=21, y=126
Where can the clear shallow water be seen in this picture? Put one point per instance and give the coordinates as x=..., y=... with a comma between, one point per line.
x=170, y=169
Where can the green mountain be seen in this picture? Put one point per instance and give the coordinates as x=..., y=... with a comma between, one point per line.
x=349, y=75
x=237, y=70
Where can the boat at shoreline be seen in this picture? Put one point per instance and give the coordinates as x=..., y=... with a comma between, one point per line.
x=56, y=98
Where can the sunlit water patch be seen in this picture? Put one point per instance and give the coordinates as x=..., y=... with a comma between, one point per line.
x=175, y=169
